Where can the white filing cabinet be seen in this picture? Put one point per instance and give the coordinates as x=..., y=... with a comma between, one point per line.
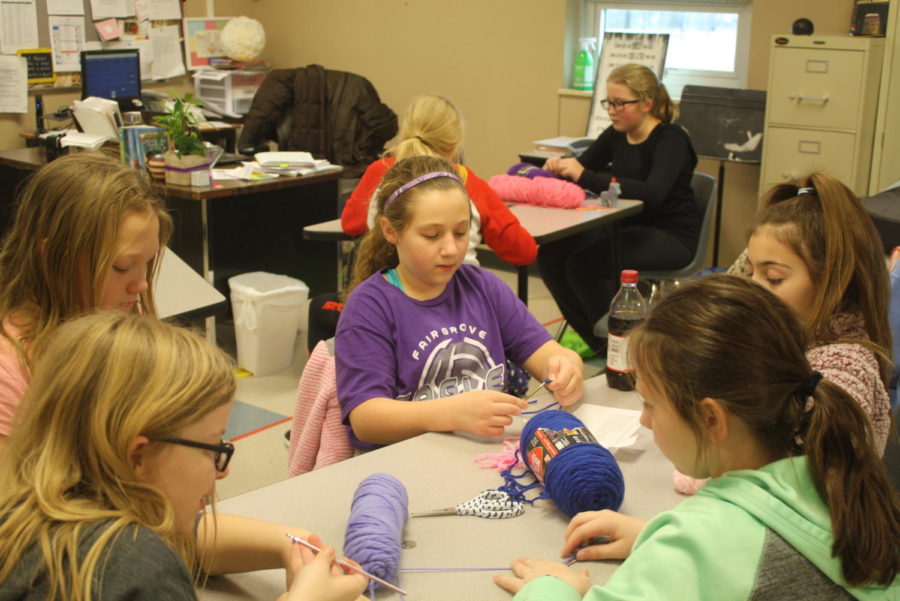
x=820, y=108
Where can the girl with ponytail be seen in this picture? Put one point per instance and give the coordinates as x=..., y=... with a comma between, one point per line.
x=798, y=506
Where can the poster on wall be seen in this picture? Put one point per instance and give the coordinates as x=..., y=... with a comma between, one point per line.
x=202, y=40
x=648, y=49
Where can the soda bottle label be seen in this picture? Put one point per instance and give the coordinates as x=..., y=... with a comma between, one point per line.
x=545, y=444
x=617, y=354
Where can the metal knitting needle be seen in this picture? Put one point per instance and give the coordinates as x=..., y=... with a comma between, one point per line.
x=536, y=389
x=346, y=564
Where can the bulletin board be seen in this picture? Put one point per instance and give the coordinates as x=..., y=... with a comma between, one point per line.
x=76, y=32
x=648, y=49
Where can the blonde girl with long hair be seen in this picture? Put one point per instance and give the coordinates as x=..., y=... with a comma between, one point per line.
x=653, y=160
x=119, y=447
x=87, y=234
x=799, y=505
x=420, y=325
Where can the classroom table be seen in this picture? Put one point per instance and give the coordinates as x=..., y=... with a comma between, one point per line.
x=229, y=227
x=437, y=470
x=545, y=224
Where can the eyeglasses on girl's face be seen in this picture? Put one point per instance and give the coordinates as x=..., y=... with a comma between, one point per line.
x=223, y=451
x=618, y=105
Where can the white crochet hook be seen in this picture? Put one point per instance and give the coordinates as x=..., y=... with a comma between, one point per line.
x=346, y=564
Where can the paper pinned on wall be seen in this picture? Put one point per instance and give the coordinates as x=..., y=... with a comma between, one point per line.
x=65, y=7
x=13, y=84
x=161, y=10
x=19, y=26
x=67, y=41
x=166, y=53
x=108, y=29
x=107, y=9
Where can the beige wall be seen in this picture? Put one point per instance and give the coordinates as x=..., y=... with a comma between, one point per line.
x=500, y=61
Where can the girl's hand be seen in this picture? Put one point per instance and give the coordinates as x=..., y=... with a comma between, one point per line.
x=318, y=578
x=567, y=375
x=484, y=412
x=620, y=530
x=527, y=569
x=569, y=168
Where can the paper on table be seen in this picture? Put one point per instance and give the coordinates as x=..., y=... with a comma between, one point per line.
x=613, y=428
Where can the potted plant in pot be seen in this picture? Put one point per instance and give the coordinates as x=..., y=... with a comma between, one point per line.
x=187, y=162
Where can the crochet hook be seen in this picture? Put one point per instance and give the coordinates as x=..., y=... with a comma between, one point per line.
x=346, y=564
x=536, y=390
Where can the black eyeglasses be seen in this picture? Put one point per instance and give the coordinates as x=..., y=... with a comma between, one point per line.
x=616, y=104
x=223, y=451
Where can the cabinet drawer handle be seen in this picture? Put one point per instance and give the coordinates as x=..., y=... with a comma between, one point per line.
x=804, y=97
x=809, y=147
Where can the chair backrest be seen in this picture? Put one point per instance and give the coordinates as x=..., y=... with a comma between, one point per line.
x=704, y=187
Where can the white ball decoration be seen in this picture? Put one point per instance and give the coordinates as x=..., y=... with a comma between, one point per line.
x=243, y=39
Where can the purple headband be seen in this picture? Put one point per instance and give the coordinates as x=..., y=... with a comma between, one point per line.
x=415, y=182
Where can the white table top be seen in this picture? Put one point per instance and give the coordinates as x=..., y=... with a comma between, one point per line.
x=543, y=223
x=438, y=471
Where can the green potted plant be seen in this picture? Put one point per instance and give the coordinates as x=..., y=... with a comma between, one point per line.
x=187, y=162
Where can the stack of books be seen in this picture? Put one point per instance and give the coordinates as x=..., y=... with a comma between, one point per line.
x=137, y=142
x=292, y=163
x=562, y=145
x=99, y=116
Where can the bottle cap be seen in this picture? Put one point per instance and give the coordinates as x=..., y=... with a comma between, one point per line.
x=629, y=276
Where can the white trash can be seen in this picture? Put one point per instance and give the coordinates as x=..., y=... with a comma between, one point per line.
x=267, y=311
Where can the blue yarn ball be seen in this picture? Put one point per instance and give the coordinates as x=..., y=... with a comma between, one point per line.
x=581, y=477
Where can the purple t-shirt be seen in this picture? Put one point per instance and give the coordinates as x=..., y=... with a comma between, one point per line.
x=390, y=345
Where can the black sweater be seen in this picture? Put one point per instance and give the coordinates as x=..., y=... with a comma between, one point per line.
x=657, y=171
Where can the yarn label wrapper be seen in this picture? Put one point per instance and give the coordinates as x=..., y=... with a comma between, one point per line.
x=545, y=444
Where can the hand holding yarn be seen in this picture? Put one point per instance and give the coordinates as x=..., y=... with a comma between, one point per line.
x=527, y=569
x=483, y=412
x=620, y=531
x=567, y=379
x=316, y=576
x=565, y=167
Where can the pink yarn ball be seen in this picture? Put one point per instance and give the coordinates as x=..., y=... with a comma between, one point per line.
x=685, y=484
x=539, y=191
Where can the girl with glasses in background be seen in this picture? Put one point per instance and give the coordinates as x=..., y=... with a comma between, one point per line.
x=653, y=161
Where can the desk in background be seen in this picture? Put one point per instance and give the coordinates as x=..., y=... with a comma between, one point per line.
x=230, y=227
x=545, y=224
x=438, y=471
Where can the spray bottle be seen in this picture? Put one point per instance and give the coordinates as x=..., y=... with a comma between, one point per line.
x=584, y=66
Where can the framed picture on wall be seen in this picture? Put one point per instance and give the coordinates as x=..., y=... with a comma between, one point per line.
x=869, y=18
x=202, y=40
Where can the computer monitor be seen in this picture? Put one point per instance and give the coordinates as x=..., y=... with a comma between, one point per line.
x=113, y=74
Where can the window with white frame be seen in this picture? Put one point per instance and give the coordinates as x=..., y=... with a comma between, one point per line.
x=708, y=39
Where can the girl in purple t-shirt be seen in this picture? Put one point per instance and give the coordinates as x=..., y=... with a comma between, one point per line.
x=421, y=326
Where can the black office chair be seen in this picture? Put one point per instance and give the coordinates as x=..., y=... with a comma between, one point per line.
x=704, y=187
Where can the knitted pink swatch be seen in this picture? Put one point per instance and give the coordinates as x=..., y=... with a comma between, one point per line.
x=540, y=191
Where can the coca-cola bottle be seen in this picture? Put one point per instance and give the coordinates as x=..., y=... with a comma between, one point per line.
x=627, y=309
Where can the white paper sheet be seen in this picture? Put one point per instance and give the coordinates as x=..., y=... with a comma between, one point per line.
x=107, y=9
x=13, y=84
x=67, y=41
x=160, y=10
x=19, y=26
x=613, y=428
x=166, y=53
x=65, y=7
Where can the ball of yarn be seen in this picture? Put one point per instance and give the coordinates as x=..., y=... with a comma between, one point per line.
x=243, y=38
x=685, y=484
x=582, y=476
x=375, y=527
x=540, y=191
